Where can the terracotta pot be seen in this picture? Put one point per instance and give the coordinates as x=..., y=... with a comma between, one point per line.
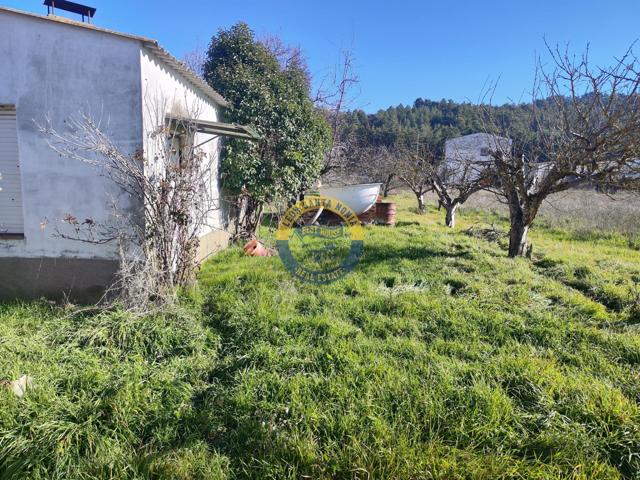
x=250, y=245
x=254, y=248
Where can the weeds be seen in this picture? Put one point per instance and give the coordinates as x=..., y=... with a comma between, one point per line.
x=437, y=358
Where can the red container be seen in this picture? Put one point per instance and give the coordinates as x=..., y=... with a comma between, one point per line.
x=369, y=216
x=254, y=248
x=386, y=213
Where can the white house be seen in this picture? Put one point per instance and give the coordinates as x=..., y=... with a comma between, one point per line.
x=474, y=148
x=52, y=69
x=467, y=157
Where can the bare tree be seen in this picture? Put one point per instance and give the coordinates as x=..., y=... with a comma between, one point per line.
x=170, y=189
x=414, y=167
x=458, y=172
x=388, y=184
x=453, y=189
x=369, y=163
x=380, y=166
x=195, y=59
x=584, y=129
x=334, y=97
x=286, y=54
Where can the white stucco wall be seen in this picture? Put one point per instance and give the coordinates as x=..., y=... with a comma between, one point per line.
x=466, y=157
x=164, y=92
x=56, y=71
x=50, y=69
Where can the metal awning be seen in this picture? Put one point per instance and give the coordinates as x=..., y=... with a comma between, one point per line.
x=215, y=128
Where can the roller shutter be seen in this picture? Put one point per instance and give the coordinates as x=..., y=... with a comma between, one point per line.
x=11, y=220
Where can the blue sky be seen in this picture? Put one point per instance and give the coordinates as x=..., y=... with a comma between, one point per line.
x=403, y=49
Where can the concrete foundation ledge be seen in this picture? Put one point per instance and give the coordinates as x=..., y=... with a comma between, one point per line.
x=212, y=243
x=80, y=280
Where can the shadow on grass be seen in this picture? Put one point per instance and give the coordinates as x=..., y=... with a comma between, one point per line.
x=375, y=254
x=269, y=220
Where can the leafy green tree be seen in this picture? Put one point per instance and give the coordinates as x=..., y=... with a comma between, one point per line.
x=268, y=91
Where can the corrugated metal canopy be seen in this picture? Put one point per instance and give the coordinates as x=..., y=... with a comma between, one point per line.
x=215, y=128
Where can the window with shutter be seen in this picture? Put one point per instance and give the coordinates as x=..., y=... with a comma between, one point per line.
x=11, y=221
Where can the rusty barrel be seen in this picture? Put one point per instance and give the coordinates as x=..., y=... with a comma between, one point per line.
x=386, y=213
x=369, y=216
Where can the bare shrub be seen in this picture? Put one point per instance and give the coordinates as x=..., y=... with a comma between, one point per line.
x=170, y=188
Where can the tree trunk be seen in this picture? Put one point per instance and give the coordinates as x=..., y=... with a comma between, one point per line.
x=387, y=186
x=450, y=218
x=249, y=218
x=518, y=235
x=522, y=212
x=421, y=207
x=257, y=219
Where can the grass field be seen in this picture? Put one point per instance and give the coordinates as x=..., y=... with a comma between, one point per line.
x=437, y=358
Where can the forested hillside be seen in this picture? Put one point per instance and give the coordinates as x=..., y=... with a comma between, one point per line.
x=428, y=119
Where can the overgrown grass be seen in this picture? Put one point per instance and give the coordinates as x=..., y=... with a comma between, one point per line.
x=438, y=358
x=584, y=213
